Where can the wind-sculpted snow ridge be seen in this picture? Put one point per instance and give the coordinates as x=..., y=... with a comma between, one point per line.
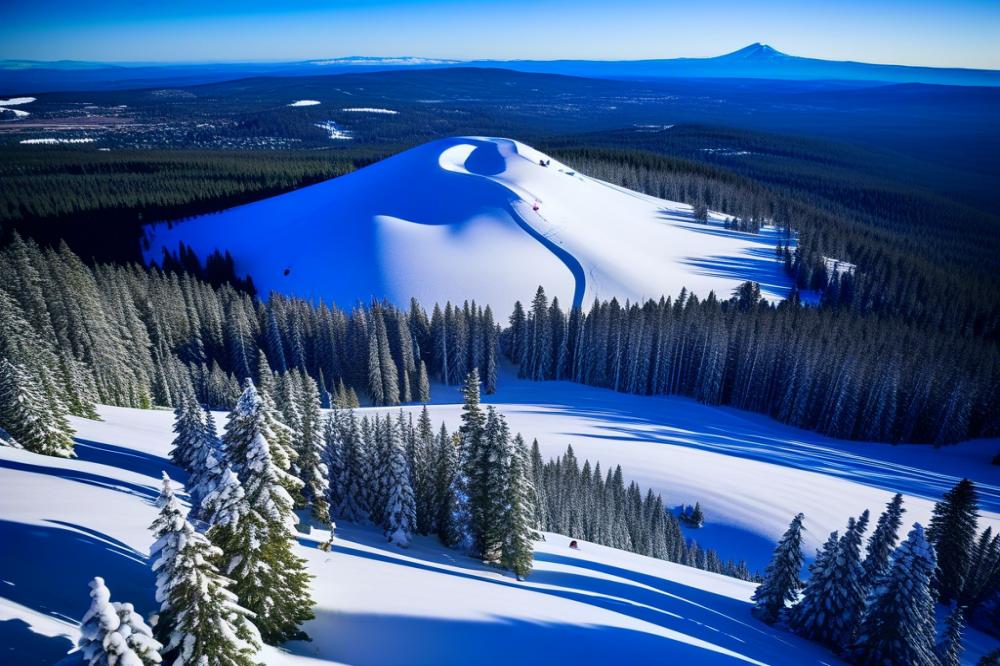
x=478, y=218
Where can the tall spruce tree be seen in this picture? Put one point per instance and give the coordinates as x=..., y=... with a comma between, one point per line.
x=269, y=579
x=314, y=471
x=517, y=552
x=189, y=426
x=898, y=626
x=200, y=620
x=34, y=418
x=950, y=648
x=882, y=542
x=834, y=598
x=400, y=510
x=782, y=578
x=952, y=532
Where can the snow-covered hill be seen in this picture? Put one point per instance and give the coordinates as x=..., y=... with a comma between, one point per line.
x=65, y=521
x=483, y=218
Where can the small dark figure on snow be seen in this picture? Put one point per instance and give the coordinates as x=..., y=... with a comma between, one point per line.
x=573, y=545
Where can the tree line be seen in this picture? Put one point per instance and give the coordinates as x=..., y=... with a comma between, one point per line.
x=879, y=607
x=919, y=257
x=842, y=374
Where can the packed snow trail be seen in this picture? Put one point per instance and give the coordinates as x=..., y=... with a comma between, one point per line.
x=478, y=218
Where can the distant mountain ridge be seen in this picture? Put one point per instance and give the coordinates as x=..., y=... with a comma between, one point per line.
x=755, y=61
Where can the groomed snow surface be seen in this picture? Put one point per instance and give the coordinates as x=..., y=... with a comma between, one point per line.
x=64, y=521
x=478, y=218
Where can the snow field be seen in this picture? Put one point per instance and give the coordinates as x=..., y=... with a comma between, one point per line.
x=400, y=227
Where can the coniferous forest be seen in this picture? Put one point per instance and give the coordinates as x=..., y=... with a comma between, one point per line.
x=889, y=335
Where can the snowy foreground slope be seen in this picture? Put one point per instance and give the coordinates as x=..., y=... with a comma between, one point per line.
x=64, y=521
x=477, y=218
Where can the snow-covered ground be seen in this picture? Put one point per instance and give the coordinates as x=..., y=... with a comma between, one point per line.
x=305, y=102
x=65, y=521
x=52, y=141
x=5, y=105
x=478, y=218
x=365, y=109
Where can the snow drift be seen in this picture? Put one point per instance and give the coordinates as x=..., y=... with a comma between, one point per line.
x=483, y=218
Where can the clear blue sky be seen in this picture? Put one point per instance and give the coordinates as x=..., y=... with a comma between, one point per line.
x=959, y=33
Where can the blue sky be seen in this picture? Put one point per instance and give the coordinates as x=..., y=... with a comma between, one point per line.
x=958, y=33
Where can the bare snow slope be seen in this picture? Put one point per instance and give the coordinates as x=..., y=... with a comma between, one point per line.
x=482, y=218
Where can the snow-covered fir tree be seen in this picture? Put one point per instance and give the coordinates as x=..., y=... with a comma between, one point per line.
x=448, y=484
x=269, y=579
x=466, y=484
x=517, y=551
x=350, y=501
x=400, y=510
x=313, y=469
x=189, y=426
x=898, y=625
x=833, y=599
x=950, y=648
x=225, y=507
x=209, y=465
x=200, y=619
x=33, y=417
x=782, y=578
x=952, y=532
x=424, y=473
x=113, y=634
x=168, y=539
x=254, y=417
x=882, y=542
x=488, y=483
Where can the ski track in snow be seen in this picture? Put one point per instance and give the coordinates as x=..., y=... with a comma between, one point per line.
x=65, y=521
x=400, y=228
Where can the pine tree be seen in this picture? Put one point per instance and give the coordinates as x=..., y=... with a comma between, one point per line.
x=952, y=532
x=400, y=510
x=114, y=634
x=31, y=417
x=209, y=465
x=446, y=489
x=488, y=487
x=882, y=542
x=352, y=504
x=200, y=620
x=782, y=580
x=313, y=470
x=833, y=599
x=189, y=426
x=949, y=649
x=423, y=383
x=898, y=626
x=169, y=536
x=517, y=553
x=269, y=579
x=465, y=483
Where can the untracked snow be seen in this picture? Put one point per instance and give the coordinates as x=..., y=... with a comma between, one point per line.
x=478, y=218
x=63, y=521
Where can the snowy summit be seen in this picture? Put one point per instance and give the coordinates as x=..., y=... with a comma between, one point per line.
x=483, y=218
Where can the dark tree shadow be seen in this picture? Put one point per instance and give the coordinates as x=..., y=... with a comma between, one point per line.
x=351, y=638
x=89, y=478
x=21, y=646
x=692, y=614
x=120, y=457
x=49, y=567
